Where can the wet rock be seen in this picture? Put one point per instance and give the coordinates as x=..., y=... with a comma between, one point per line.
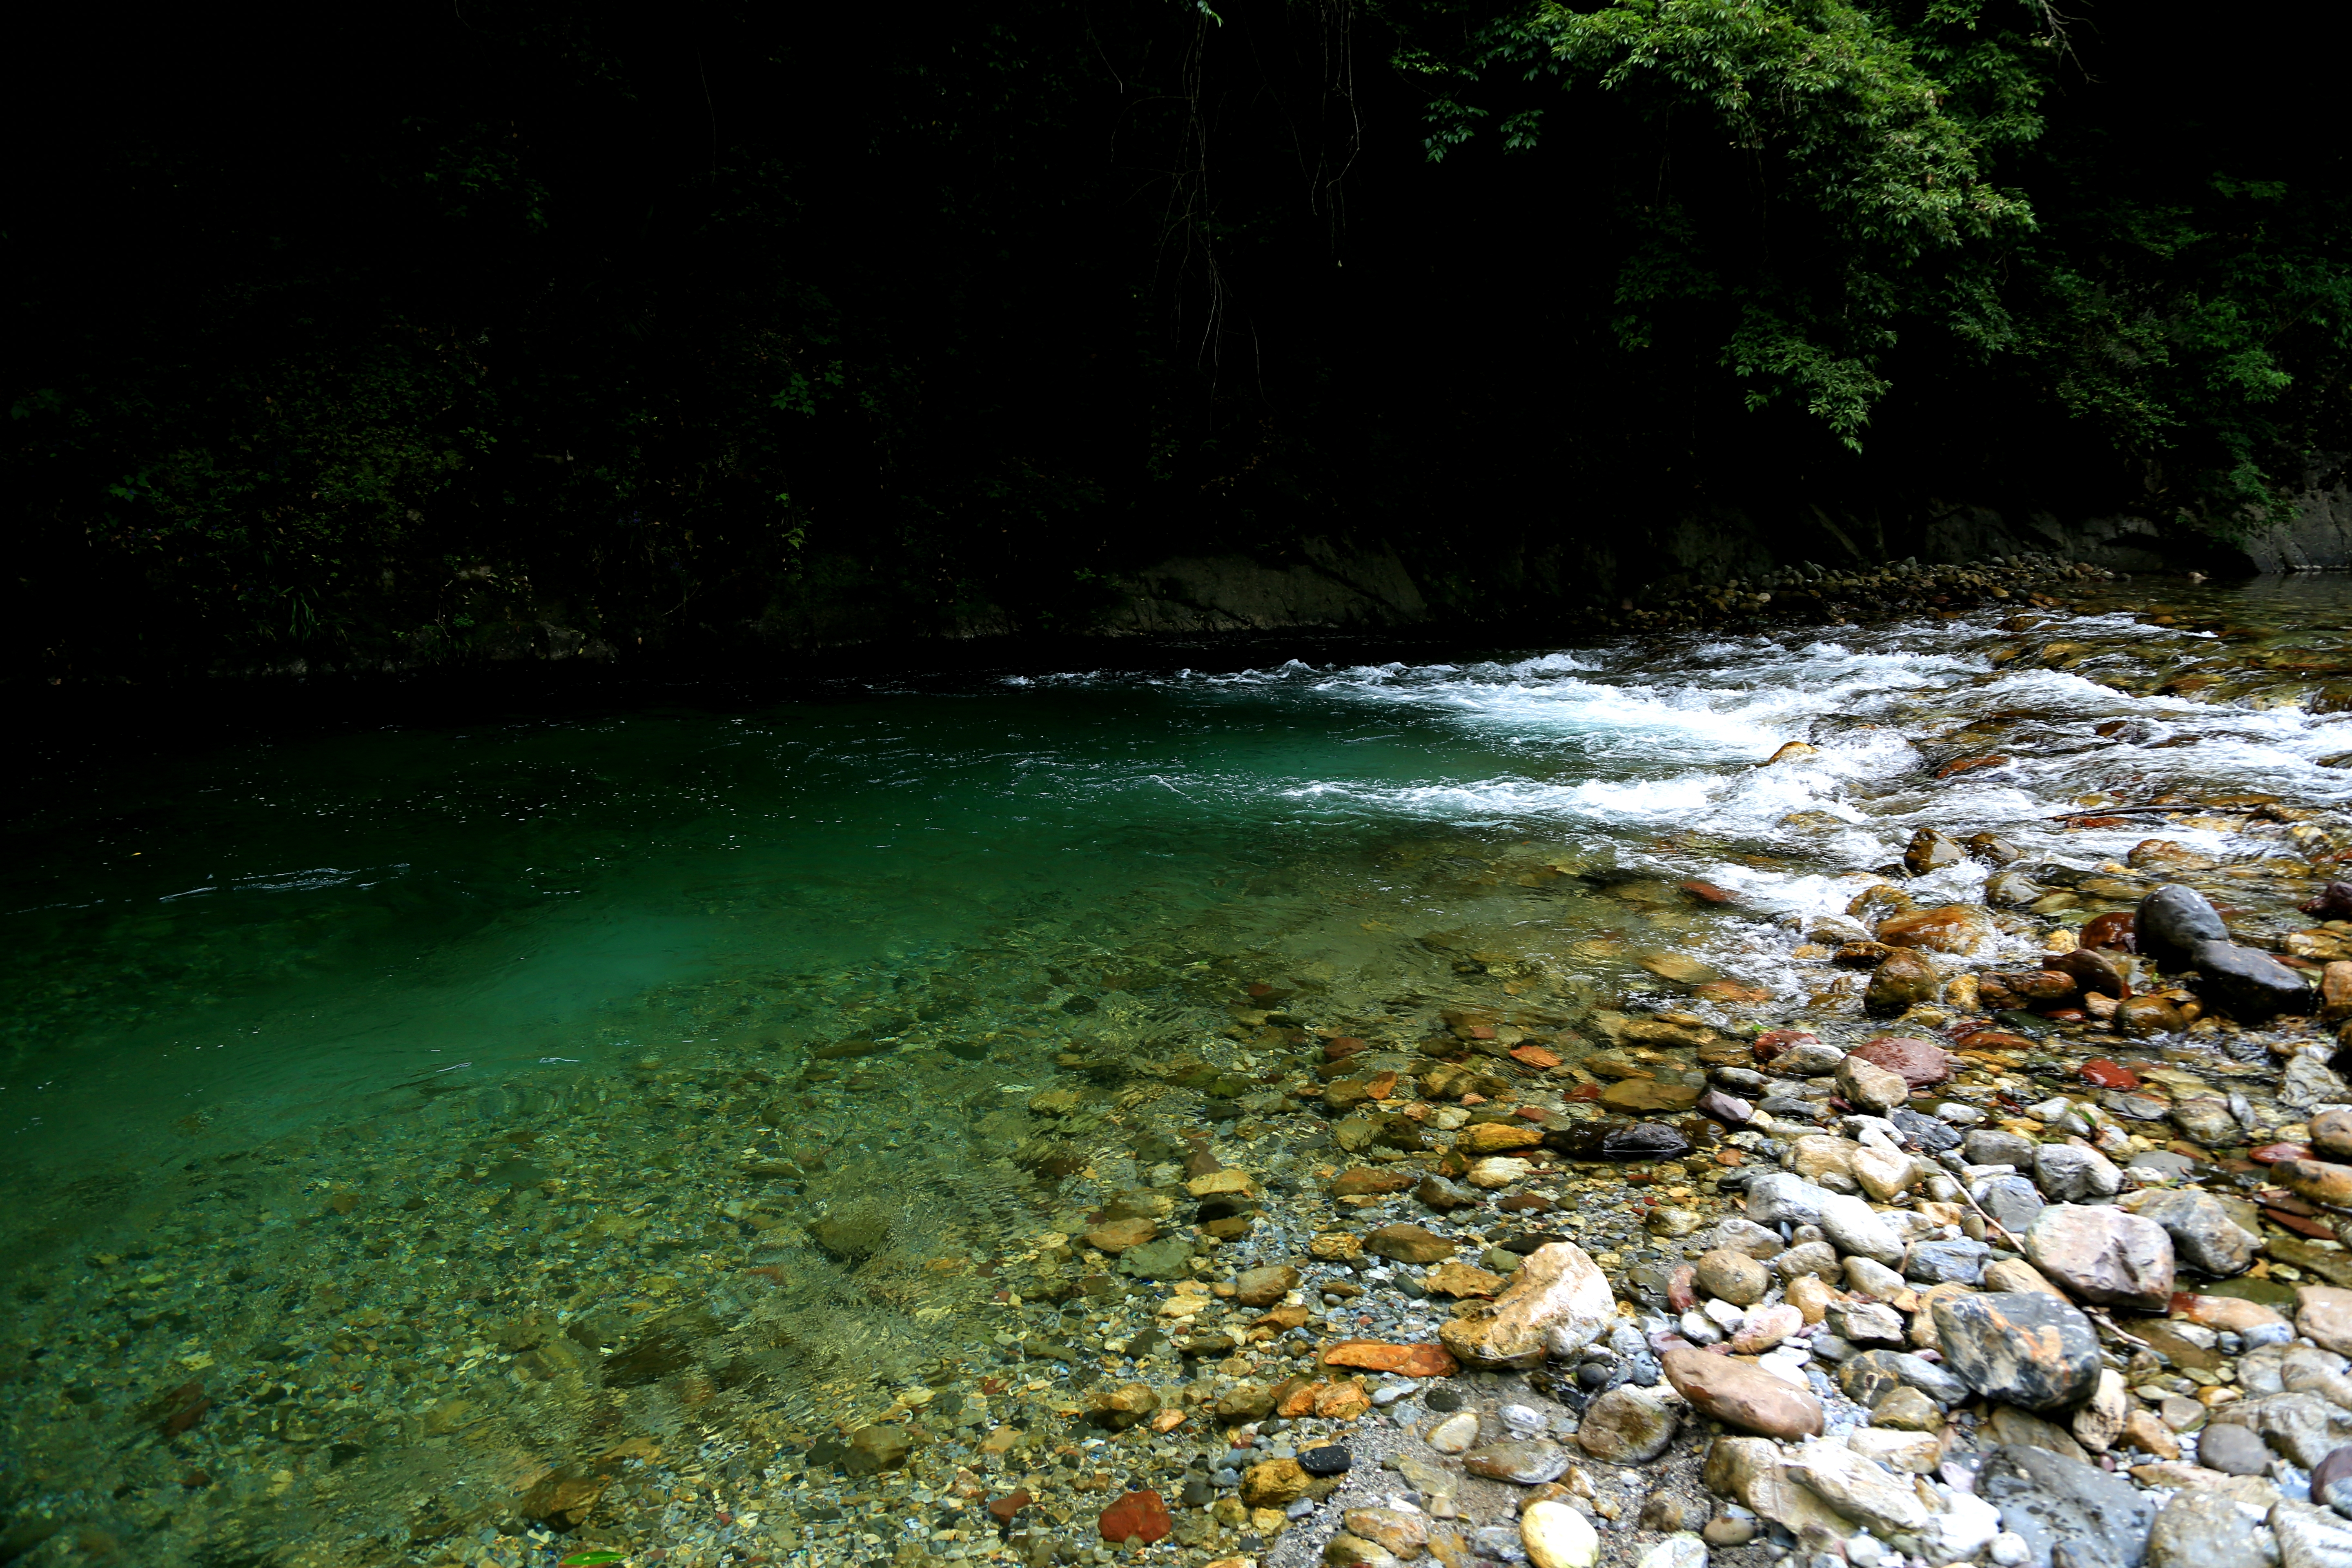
x=2205, y=1530
x=879, y=1447
x=1644, y=1140
x=2144, y=1018
x=1931, y=1134
x=1931, y=851
x=1965, y=930
x=2318, y=1179
x=2250, y=986
x=2233, y=1451
x=1462, y=1280
x=1900, y=983
x=1740, y=1393
x=1498, y=1171
x=1992, y=848
x=1808, y=1058
x=1626, y=1426
x=1733, y=1275
x=1394, y=1531
x=1405, y=1360
x=1407, y=1244
x=2309, y=1080
x=1139, y=1516
x=1435, y=1191
x=2049, y=1499
x=1121, y=1407
x=1526, y=1461
x=2094, y=970
x=2206, y=1121
x=1555, y=1535
x=1276, y=1483
x=2020, y=1347
x=1856, y=1228
x=1919, y=1063
x=1729, y=1109
x=2110, y=931
x=1558, y=1301
x=1363, y=1181
x=2203, y=1234
x=1331, y=1459
x=1869, y=1087
x=2013, y=890
x=1958, y=1262
x=2336, y=992
x=1782, y=1197
x=2172, y=921
x=1264, y=1287
x=2331, y=1133
x=2070, y=1172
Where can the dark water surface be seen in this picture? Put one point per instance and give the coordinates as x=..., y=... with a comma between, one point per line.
x=405, y=1120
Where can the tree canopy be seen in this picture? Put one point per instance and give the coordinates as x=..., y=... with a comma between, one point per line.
x=716, y=321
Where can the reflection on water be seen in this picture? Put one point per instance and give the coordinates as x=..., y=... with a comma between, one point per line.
x=464, y=1145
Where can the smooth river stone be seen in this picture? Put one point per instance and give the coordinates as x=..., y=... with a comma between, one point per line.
x=2020, y=1347
x=1558, y=1302
x=2250, y=986
x=1741, y=1394
x=1626, y=1426
x=2171, y=920
x=1964, y=930
x=1919, y=1063
x=2103, y=1255
x=1557, y=1536
x=1527, y=1462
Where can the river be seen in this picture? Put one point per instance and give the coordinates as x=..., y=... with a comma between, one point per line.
x=406, y=1120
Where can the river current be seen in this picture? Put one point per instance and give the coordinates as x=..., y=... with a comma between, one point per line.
x=406, y=1125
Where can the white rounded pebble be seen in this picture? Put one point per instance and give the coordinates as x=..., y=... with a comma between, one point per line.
x=1865, y=1551
x=1699, y=1329
x=1557, y=1536
x=1455, y=1433
x=2009, y=1549
x=1681, y=1549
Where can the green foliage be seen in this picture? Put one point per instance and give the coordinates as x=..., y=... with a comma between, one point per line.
x=1809, y=186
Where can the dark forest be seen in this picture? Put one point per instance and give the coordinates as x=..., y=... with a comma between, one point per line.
x=373, y=337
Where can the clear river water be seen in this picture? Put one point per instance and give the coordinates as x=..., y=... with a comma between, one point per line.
x=398, y=1116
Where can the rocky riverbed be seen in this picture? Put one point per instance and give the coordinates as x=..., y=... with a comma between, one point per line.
x=1944, y=1169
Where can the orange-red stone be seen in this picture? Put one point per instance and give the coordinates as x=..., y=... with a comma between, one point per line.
x=1136, y=1516
x=1409, y=1360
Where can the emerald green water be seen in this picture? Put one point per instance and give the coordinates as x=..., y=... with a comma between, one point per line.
x=404, y=1119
